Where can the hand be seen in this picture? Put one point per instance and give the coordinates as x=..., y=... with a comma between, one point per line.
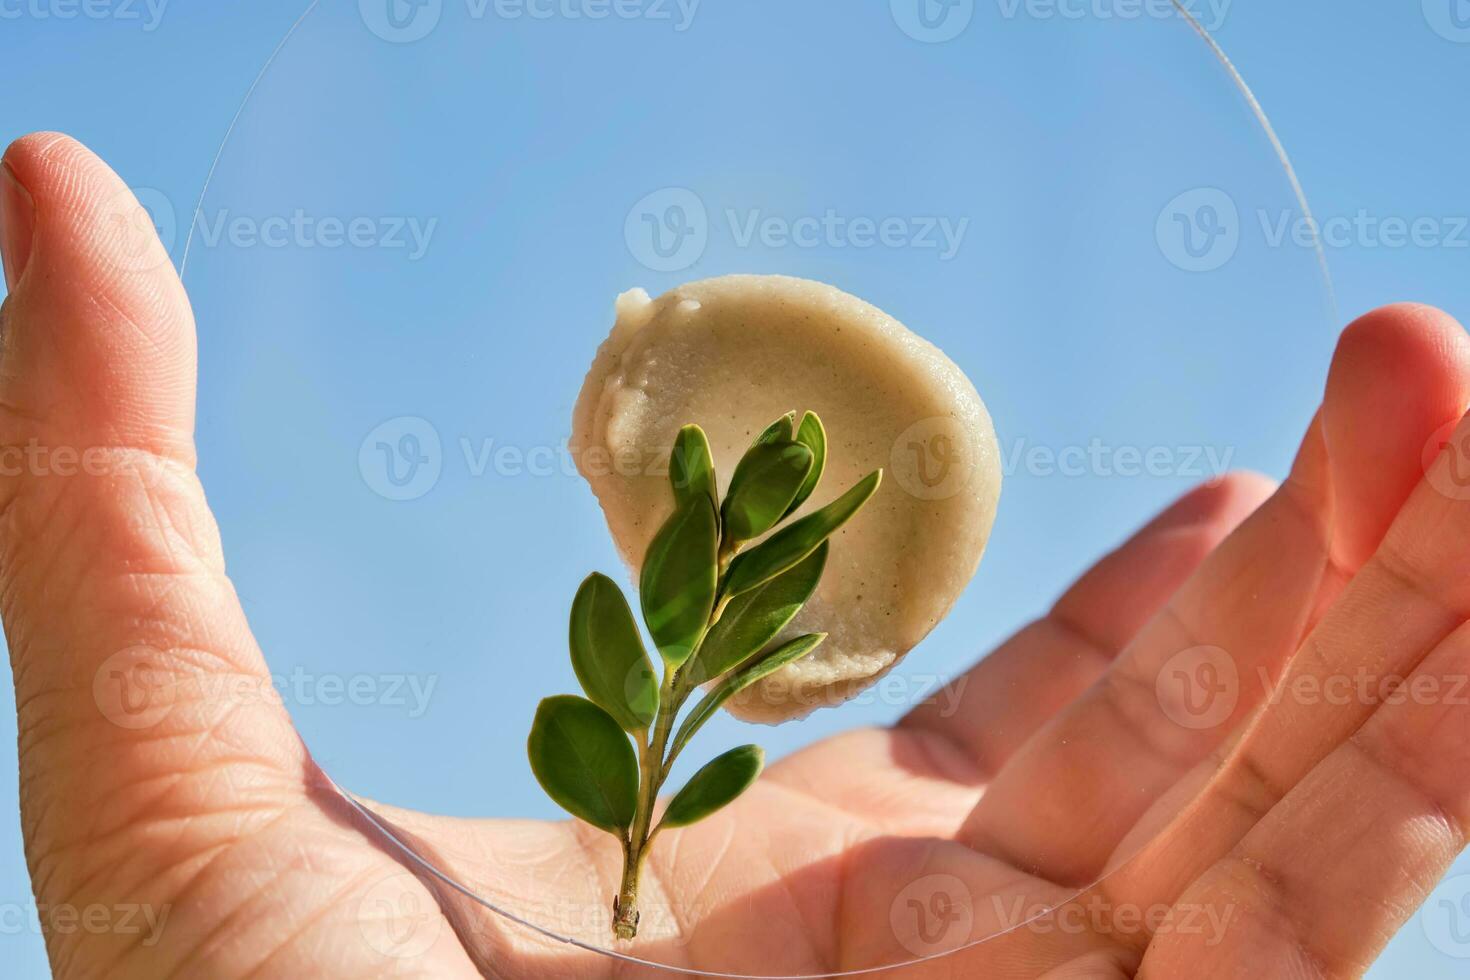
x=1294, y=834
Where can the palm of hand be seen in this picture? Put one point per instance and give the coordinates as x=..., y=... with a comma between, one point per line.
x=1067, y=757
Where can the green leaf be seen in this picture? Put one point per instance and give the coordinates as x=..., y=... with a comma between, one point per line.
x=753, y=619
x=679, y=579
x=715, y=786
x=584, y=762
x=797, y=540
x=608, y=655
x=733, y=684
x=692, y=466
x=813, y=436
x=781, y=430
x=762, y=488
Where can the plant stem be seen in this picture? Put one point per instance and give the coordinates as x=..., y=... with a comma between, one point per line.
x=653, y=768
x=651, y=775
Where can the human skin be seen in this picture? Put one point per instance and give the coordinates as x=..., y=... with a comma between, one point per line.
x=1318, y=824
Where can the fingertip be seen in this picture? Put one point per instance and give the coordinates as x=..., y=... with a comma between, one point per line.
x=1399, y=374
x=30, y=150
x=88, y=220
x=1413, y=339
x=100, y=337
x=1226, y=500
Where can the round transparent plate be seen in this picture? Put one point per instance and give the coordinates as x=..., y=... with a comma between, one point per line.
x=402, y=265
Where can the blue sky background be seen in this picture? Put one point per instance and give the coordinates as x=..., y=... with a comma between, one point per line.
x=423, y=235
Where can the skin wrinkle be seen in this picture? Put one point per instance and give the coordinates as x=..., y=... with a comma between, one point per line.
x=845, y=858
x=711, y=867
x=794, y=778
x=1136, y=709
x=1284, y=922
x=100, y=836
x=809, y=934
x=1255, y=807
x=223, y=850
x=116, y=462
x=793, y=907
x=174, y=580
x=1067, y=624
x=323, y=910
x=95, y=840
x=131, y=836
x=179, y=863
x=227, y=924
x=62, y=726
x=18, y=528
x=1456, y=831
x=100, y=302
x=985, y=768
x=211, y=853
x=92, y=720
x=226, y=768
x=815, y=801
x=956, y=765
x=1401, y=571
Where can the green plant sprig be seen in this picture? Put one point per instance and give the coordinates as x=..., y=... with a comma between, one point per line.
x=720, y=581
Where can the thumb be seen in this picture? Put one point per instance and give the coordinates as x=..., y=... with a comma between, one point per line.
x=136, y=676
